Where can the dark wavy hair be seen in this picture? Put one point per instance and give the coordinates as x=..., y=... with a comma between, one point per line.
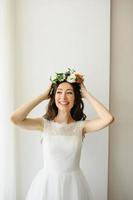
x=77, y=109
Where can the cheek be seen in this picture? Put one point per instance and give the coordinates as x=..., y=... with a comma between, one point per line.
x=72, y=99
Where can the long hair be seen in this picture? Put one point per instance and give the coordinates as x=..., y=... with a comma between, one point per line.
x=77, y=109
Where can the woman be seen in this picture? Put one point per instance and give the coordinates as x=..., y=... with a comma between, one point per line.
x=64, y=126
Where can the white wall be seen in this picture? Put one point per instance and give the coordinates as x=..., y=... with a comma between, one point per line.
x=7, y=134
x=52, y=35
x=121, y=133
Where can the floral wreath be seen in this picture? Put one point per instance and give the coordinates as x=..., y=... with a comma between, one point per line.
x=70, y=76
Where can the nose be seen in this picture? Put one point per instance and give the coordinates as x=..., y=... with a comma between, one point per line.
x=63, y=95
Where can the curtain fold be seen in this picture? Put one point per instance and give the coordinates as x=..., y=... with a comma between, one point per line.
x=7, y=132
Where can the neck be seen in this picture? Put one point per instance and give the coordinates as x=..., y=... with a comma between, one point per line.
x=63, y=116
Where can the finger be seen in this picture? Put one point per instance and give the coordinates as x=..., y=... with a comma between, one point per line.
x=81, y=75
x=78, y=73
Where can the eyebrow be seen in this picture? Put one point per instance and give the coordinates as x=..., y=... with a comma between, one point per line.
x=62, y=89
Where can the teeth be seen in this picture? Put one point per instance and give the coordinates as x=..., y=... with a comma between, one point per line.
x=64, y=103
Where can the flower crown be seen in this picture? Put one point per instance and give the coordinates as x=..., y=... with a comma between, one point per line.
x=69, y=76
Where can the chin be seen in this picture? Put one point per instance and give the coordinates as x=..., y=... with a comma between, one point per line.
x=65, y=108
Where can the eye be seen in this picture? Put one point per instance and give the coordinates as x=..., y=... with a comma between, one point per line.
x=69, y=93
x=58, y=92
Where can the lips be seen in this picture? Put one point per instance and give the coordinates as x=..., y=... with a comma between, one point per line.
x=64, y=102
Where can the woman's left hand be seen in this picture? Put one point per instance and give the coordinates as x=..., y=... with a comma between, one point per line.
x=79, y=77
x=80, y=80
x=83, y=90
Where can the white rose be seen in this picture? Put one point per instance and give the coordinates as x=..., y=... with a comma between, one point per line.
x=71, y=78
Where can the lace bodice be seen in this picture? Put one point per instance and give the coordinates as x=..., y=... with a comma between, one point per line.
x=55, y=128
x=62, y=144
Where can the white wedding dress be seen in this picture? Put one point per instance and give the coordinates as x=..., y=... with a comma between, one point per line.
x=61, y=178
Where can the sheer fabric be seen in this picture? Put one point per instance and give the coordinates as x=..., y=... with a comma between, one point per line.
x=61, y=177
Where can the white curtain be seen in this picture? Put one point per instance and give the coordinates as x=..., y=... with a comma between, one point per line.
x=7, y=133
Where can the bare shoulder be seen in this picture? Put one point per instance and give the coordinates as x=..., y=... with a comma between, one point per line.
x=36, y=124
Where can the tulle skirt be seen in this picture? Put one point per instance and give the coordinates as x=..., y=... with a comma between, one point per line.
x=59, y=186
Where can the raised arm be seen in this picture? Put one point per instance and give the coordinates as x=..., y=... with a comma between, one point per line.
x=19, y=116
x=104, y=116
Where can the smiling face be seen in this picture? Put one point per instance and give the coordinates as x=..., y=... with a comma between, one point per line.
x=64, y=97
